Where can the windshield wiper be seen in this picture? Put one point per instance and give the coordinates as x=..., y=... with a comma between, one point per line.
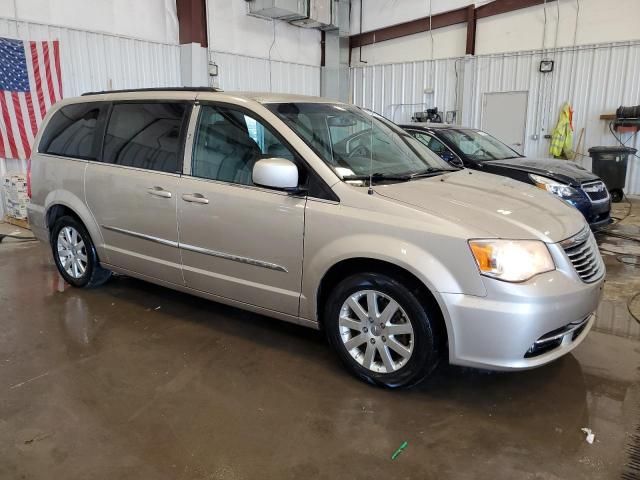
x=430, y=171
x=378, y=176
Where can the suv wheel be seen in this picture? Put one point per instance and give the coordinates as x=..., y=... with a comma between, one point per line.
x=381, y=331
x=75, y=254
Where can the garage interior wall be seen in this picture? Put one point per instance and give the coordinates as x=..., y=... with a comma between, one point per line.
x=120, y=53
x=594, y=78
x=261, y=55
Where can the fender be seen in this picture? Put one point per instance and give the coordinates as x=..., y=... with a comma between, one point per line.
x=408, y=256
x=78, y=206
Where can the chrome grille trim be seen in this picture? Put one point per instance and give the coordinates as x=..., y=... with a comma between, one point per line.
x=582, y=252
x=596, y=191
x=562, y=331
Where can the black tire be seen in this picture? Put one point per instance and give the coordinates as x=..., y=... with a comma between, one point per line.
x=616, y=195
x=94, y=275
x=427, y=340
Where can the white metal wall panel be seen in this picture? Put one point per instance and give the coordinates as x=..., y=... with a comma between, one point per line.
x=398, y=90
x=240, y=72
x=99, y=61
x=595, y=79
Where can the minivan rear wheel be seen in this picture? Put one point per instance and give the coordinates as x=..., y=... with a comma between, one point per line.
x=381, y=331
x=75, y=255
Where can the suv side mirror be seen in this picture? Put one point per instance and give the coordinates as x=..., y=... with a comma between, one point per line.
x=278, y=173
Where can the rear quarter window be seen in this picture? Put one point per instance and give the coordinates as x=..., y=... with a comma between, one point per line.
x=71, y=132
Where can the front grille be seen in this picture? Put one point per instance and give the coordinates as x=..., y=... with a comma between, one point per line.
x=596, y=191
x=583, y=253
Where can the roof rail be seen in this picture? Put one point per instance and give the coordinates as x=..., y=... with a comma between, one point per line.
x=158, y=89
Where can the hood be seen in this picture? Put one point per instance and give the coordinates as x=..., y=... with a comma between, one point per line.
x=490, y=205
x=564, y=171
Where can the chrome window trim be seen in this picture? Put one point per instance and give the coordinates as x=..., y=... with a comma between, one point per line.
x=193, y=248
x=138, y=169
x=248, y=187
x=61, y=157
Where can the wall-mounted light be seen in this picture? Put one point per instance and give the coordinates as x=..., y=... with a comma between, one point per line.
x=213, y=69
x=546, y=66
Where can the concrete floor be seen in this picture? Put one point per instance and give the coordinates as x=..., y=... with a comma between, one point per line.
x=136, y=381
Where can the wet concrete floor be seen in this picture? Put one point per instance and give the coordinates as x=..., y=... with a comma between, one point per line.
x=136, y=381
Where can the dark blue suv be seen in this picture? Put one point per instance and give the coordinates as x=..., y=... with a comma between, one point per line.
x=472, y=148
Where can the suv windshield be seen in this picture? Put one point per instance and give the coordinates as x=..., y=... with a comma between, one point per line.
x=477, y=145
x=355, y=143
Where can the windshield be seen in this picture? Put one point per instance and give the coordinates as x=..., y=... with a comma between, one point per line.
x=477, y=145
x=355, y=143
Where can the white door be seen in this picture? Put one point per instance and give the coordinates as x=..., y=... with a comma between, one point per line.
x=504, y=115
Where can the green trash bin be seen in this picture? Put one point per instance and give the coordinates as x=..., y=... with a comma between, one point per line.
x=610, y=164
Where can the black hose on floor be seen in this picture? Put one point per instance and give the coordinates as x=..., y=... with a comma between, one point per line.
x=629, y=302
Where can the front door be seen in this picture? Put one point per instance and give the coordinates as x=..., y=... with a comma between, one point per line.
x=132, y=192
x=238, y=240
x=504, y=115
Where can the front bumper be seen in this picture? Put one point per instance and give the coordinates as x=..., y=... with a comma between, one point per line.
x=597, y=214
x=499, y=331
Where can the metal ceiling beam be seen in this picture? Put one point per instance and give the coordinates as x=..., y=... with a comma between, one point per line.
x=440, y=20
x=444, y=19
x=498, y=7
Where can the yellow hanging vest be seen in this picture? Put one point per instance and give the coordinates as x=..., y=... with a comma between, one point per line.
x=562, y=135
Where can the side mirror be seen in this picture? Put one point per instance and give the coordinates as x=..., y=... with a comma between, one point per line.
x=278, y=173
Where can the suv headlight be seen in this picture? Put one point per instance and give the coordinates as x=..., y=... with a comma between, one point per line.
x=561, y=190
x=511, y=260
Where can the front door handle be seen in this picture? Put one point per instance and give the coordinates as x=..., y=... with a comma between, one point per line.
x=195, y=198
x=159, y=192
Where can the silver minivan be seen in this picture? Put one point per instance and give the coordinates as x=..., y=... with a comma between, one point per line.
x=318, y=213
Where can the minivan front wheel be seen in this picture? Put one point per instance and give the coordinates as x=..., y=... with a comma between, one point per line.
x=75, y=255
x=381, y=331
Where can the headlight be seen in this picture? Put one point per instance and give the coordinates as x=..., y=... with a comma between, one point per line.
x=511, y=260
x=560, y=189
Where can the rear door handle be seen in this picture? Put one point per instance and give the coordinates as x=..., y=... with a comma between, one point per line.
x=195, y=198
x=159, y=192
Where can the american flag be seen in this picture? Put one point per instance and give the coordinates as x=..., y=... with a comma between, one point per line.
x=30, y=82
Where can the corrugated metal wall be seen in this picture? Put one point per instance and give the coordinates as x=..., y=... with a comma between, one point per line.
x=398, y=90
x=99, y=61
x=239, y=72
x=596, y=79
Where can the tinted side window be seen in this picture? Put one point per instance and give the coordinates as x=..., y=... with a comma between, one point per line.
x=433, y=143
x=145, y=135
x=228, y=143
x=71, y=132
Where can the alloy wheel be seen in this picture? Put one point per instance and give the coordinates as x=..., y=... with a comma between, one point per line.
x=72, y=252
x=376, y=331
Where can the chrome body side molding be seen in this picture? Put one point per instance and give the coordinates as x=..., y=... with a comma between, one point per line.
x=204, y=251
